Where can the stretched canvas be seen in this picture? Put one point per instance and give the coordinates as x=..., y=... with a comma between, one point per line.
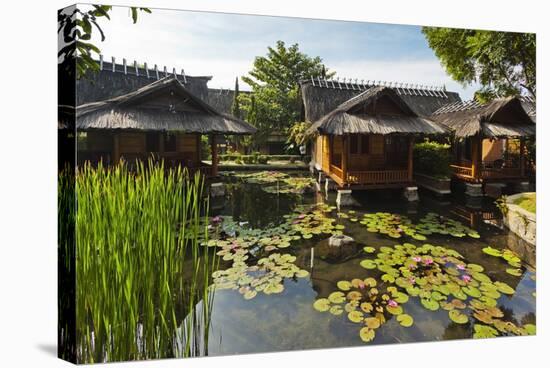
x=234, y=184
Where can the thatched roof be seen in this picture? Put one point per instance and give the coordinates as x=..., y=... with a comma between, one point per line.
x=321, y=96
x=164, y=105
x=115, y=80
x=500, y=118
x=530, y=106
x=360, y=115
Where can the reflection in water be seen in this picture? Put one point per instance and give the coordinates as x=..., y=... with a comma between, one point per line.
x=287, y=320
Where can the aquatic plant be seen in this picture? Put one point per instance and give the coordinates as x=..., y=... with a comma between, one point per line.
x=142, y=277
x=366, y=304
x=441, y=278
x=278, y=182
x=396, y=226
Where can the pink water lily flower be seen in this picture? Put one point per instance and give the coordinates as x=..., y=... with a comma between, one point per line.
x=362, y=285
x=392, y=303
x=412, y=280
x=466, y=278
x=428, y=261
x=217, y=219
x=301, y=216
x=417, y=258
x=461, y=267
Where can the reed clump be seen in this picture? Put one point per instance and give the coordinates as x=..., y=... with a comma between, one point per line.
x=142, y=278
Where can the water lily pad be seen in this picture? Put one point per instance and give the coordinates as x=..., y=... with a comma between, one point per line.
x=405, y=320
x=322, y=305
x=366, y=307
x=337, y=297
x=492, y=251
x=368, y=264
x=355, y=316
x=369, y=249
x=336, y=310
x=530, y=329
x=429, y=304
x=372, y=322
x=484, y=332
x=458, y=317
x=367, y=334
x=250, y=294
x=514, y=271
x=394, y=310
x=504, y=288
x=344, y=285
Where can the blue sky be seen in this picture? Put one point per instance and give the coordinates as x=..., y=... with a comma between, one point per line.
x=224, y=46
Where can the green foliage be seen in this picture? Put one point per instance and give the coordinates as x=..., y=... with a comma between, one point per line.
x=504, y=63
x=274, y=104
x=235, y=106
x=297, y=133
x=432, y=158
x=142, y=278
x=528, y=202
x=76, y=29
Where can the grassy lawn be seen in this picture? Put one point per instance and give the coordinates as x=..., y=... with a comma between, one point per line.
x=528, y=202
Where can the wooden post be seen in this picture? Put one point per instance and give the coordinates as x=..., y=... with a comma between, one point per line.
x=214, y=149
x=329, y=154
x=522, y=157
x=410, y=159
x=198, y=148
x=476, y=157
x=161, y=146
x=116, y=148
x=345, y=158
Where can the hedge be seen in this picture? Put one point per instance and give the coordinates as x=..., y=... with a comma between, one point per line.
x=432, y=158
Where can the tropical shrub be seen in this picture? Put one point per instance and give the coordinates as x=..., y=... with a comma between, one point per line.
x=432, y=158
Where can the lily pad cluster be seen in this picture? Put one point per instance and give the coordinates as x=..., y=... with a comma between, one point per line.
x=365, y=304
x=279, y=182
x=314, y=222
x=266, y=275
x=509, y=256
x=442, y=279
x=433, y=223
x=395, y=226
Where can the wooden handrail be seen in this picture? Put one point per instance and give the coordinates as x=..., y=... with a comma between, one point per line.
x=378, y=177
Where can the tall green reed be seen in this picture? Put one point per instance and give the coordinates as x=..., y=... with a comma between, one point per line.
x=142, y=276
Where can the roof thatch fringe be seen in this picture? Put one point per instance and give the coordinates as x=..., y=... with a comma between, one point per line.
x=348, y=118
x=503, y=117
x=134, y=111
x=319, y=100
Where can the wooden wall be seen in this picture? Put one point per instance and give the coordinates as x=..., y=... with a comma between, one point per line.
x=493, y=149
x=134, y=144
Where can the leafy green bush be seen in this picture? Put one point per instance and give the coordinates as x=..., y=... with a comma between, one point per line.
x=432, y=158
x=263, y=159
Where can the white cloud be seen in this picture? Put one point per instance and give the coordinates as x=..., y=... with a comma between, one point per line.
x=224, y=46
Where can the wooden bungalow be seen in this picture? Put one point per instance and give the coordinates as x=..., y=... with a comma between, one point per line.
x=489, y=139
x=163, y=120
x=367, y=141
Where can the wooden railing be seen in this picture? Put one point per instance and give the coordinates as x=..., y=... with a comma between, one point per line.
x=378, y=177
x=464, y=171
x=503, y=173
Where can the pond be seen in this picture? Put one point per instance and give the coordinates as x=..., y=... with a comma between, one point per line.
x=434, y=270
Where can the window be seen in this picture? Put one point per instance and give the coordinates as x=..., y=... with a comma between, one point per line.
x=152, y=142
x=365, y=146
x=354, y=144
x=170, y=142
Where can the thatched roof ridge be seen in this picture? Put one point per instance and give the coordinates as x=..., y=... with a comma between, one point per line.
x=502, y=117
x=322, y=96
x=348, y=118
x=133, y=111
